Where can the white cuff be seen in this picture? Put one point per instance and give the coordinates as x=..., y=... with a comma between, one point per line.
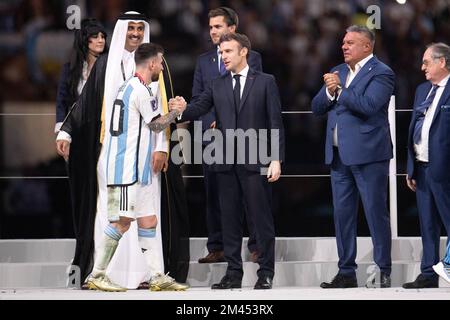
x=338, y=93
x=330, y=97
x=58, y=126
x=62, y=135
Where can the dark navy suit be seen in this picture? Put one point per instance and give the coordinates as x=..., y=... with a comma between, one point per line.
x=207, y=69
x=259, y=109
x=360, y=163
x=432, y=178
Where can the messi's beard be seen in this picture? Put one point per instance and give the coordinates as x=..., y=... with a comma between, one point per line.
x=154, y=77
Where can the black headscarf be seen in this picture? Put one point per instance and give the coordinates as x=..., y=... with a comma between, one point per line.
x=89, y=28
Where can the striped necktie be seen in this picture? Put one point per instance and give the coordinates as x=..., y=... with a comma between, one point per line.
x=222, y=69
x=421, y=111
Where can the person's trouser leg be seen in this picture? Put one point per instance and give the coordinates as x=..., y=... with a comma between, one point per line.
x=213, y=215
x=429, y=222
x=345, y=203
x=230, y=192
x=372, y=182
x=252, y=243
x=441, y=195
x=258, y=196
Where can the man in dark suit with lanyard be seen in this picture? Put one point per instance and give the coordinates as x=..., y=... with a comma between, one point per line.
x=209, y=66
x=246, y=102
x=428, y=171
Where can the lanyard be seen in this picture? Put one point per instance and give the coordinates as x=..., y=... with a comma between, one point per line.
x=123, y=70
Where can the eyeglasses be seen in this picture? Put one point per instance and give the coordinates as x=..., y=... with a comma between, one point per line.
x=426, y=63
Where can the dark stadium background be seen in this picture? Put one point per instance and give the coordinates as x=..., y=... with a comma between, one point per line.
x=298, y=40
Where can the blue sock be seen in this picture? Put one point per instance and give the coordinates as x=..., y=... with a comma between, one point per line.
x=112, y=232
x=147, y=233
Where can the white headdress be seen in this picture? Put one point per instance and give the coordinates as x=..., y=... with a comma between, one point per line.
x=113, y=81
x=114, y=75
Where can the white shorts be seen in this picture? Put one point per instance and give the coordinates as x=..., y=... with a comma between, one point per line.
x=133, y=201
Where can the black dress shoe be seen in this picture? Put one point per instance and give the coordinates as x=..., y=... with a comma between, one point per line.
x=213, y=257
x=381, y=281
x=228, y=282
x=263, y=283
x=385, y=280
x=340, y=281
x=422, y=282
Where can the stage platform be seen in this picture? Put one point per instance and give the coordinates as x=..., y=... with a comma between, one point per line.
x=30, y=269
x=247, y=293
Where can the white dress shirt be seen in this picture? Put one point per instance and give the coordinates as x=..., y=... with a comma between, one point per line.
x=243, y=77
x=421, y=149
x=128, y=64
x=350, y=76
x=219, y=56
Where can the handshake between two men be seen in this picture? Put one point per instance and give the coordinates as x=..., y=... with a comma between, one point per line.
x=177, y=106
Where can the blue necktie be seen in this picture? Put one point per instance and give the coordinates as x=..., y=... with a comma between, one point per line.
x=222, y=69
x=421, y=110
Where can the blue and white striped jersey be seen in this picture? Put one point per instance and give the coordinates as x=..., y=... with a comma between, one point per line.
x=130, y=147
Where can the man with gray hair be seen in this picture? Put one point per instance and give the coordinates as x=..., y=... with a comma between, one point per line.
x=358, y=147
x=428, y=158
